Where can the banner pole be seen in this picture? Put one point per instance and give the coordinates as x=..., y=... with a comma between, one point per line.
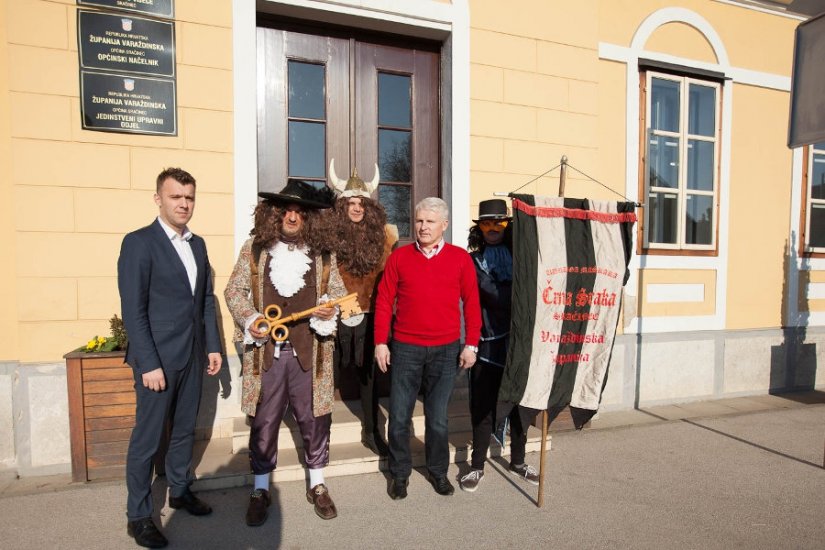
x=563, y=175
x=540, y=502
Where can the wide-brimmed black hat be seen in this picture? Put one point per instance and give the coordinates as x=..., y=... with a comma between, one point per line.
x=493, y=209
x=303, y=194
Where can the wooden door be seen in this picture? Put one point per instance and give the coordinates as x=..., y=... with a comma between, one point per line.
x=361, y=102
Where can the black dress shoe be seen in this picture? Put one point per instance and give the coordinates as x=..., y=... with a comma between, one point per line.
x=442, y=485
x=376, y=444
x=146, y=534
x=192, y=504
x=398, y=488
x=257, y=512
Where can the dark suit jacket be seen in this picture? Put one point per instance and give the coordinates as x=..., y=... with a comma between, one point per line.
x=165, y=323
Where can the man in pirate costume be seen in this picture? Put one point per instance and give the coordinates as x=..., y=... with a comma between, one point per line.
x=279, y=265
x=362, y=241
x=490, y=243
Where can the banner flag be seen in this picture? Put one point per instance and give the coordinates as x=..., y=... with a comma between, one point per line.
x=570, y=259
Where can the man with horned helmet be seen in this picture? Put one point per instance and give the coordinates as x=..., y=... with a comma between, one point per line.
x=280, y=265
x=362, y=241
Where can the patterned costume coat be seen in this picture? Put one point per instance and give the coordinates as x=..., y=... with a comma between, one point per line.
x=243, y=301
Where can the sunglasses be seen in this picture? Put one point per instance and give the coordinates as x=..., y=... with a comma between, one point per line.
x=490, y=225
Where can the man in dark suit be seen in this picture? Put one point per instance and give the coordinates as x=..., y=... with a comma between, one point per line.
x=168, y=308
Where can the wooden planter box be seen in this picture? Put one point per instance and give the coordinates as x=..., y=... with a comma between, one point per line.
x=101, y=413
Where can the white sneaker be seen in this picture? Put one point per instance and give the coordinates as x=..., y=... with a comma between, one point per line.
x=470, y=481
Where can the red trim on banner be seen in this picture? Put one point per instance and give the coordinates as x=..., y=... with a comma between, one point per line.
x=575, y=213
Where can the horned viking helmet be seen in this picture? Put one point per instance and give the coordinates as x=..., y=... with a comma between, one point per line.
x=354, y=186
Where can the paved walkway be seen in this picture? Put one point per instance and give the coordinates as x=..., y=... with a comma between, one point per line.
x=736, y=473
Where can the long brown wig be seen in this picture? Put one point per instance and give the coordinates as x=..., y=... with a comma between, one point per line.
x=358, y=246
x=269, y=217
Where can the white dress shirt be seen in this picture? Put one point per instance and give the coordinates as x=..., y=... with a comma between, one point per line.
x=438, y=247
x=184, y=250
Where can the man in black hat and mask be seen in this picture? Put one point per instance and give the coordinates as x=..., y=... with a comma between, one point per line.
x=490, y=243
x=281, y=265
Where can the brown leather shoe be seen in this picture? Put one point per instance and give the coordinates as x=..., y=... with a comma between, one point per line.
x=324, y=507
x=257, y=512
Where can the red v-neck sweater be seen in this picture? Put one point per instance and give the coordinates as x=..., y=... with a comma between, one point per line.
x=426, y=295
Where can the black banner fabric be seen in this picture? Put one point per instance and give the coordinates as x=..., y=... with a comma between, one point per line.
x=570, y=264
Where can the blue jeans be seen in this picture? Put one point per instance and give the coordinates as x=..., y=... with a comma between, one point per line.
x=434, y=369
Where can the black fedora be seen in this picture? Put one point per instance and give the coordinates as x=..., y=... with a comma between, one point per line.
x=303, y=194
x=493, y=209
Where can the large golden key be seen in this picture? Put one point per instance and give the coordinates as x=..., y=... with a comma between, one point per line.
x=275, y=325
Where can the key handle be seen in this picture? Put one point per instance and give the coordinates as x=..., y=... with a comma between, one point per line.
x=274, y=323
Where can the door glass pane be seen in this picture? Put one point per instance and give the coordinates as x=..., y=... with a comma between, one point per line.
x=307, y=149
x=306, y=90
x=395, y=155
x=394, y=97
x=702, y=110
x=816, y=236
x=664, y=161
x=700, y=165
x=397, y=202
x=664, y=105
x=699, y=219
x=818, y=176
x=663, y=217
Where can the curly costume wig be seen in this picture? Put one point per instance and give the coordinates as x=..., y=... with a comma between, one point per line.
x=358, y=246
x=269, y=217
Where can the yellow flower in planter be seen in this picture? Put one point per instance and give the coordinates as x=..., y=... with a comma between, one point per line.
x=115, y=342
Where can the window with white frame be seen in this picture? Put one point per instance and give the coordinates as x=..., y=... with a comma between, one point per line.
x=815, y=199
x=681, y=162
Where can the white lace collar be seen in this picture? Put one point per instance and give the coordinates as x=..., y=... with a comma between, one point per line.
x=287, y=267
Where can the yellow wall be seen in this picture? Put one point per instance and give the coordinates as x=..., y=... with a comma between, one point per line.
x=759, y=207
x=534, y=96
x=75, y=193
x=8, y=280
x=744, y=31
x=810, y=304
x=704, y=277
x=537, y=91
x=760, y=174
x=682, y=40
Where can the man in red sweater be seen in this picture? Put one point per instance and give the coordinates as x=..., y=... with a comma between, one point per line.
x=424, y=281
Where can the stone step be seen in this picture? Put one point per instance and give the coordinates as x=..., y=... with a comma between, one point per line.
x=224, y=462
x=218, y=466
x=346, y=424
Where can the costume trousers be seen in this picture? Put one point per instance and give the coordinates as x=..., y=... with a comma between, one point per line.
x=434, y=369
x=355, y=350
x=179, y=403
x=485, y=381
x=287, y=385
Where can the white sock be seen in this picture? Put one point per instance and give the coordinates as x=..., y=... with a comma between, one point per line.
x=316, y=477
x=262, y=481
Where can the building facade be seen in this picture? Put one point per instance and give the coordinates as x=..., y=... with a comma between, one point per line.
x=681, y=106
